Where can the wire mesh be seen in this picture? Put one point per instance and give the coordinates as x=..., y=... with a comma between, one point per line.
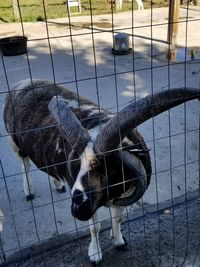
x=76, y=52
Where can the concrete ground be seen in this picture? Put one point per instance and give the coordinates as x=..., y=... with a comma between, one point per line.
x=168, y=238
x=173, y=136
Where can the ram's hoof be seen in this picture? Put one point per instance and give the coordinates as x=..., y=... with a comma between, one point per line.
x=95, y=264
x=30, y=197
x=62, y=189
x=95, y=257
x=123, y=246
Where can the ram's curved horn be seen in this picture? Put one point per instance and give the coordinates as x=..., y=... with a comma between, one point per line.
x=138, y=184
x=75, y=134
x=138, y=112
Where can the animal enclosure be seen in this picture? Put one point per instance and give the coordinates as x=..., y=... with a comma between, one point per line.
x=77, y=53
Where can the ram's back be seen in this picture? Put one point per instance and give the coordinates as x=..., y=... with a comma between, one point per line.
x=32, y=127
x=26, y=105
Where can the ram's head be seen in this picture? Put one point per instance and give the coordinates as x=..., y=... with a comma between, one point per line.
x=103, y=170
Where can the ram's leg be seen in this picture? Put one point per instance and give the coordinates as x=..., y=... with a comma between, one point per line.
x=27, y=182
x=59, y=185
x=94, y=250
x=118, y=240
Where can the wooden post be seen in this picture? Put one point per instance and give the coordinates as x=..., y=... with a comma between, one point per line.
x=174, y=8
x=197, y=2
x=15, y=8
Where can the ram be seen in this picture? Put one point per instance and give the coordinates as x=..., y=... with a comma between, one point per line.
x=101, y=156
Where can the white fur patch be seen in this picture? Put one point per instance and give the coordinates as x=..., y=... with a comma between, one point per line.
x=86, y=158
x=73, y=104
x=96, y=112
x=14, y=146
x=94, y=250
x=22, y=84
x=27, y=181
x=58, y=149
x=94, y=132
x=87, y=107
x=58, y=183
x=128, y=141
x=93, y=109
x=115, y=234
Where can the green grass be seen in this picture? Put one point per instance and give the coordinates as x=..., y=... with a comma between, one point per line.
x=34, y=10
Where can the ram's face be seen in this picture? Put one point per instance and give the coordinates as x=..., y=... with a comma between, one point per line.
x=88, y=193
x=99, y=180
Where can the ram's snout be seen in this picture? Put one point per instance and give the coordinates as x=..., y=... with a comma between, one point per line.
x=81, y=207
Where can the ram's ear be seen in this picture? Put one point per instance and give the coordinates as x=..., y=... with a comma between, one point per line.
x=72, y=130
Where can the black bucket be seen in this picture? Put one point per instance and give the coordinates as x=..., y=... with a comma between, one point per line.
x=14, y=45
